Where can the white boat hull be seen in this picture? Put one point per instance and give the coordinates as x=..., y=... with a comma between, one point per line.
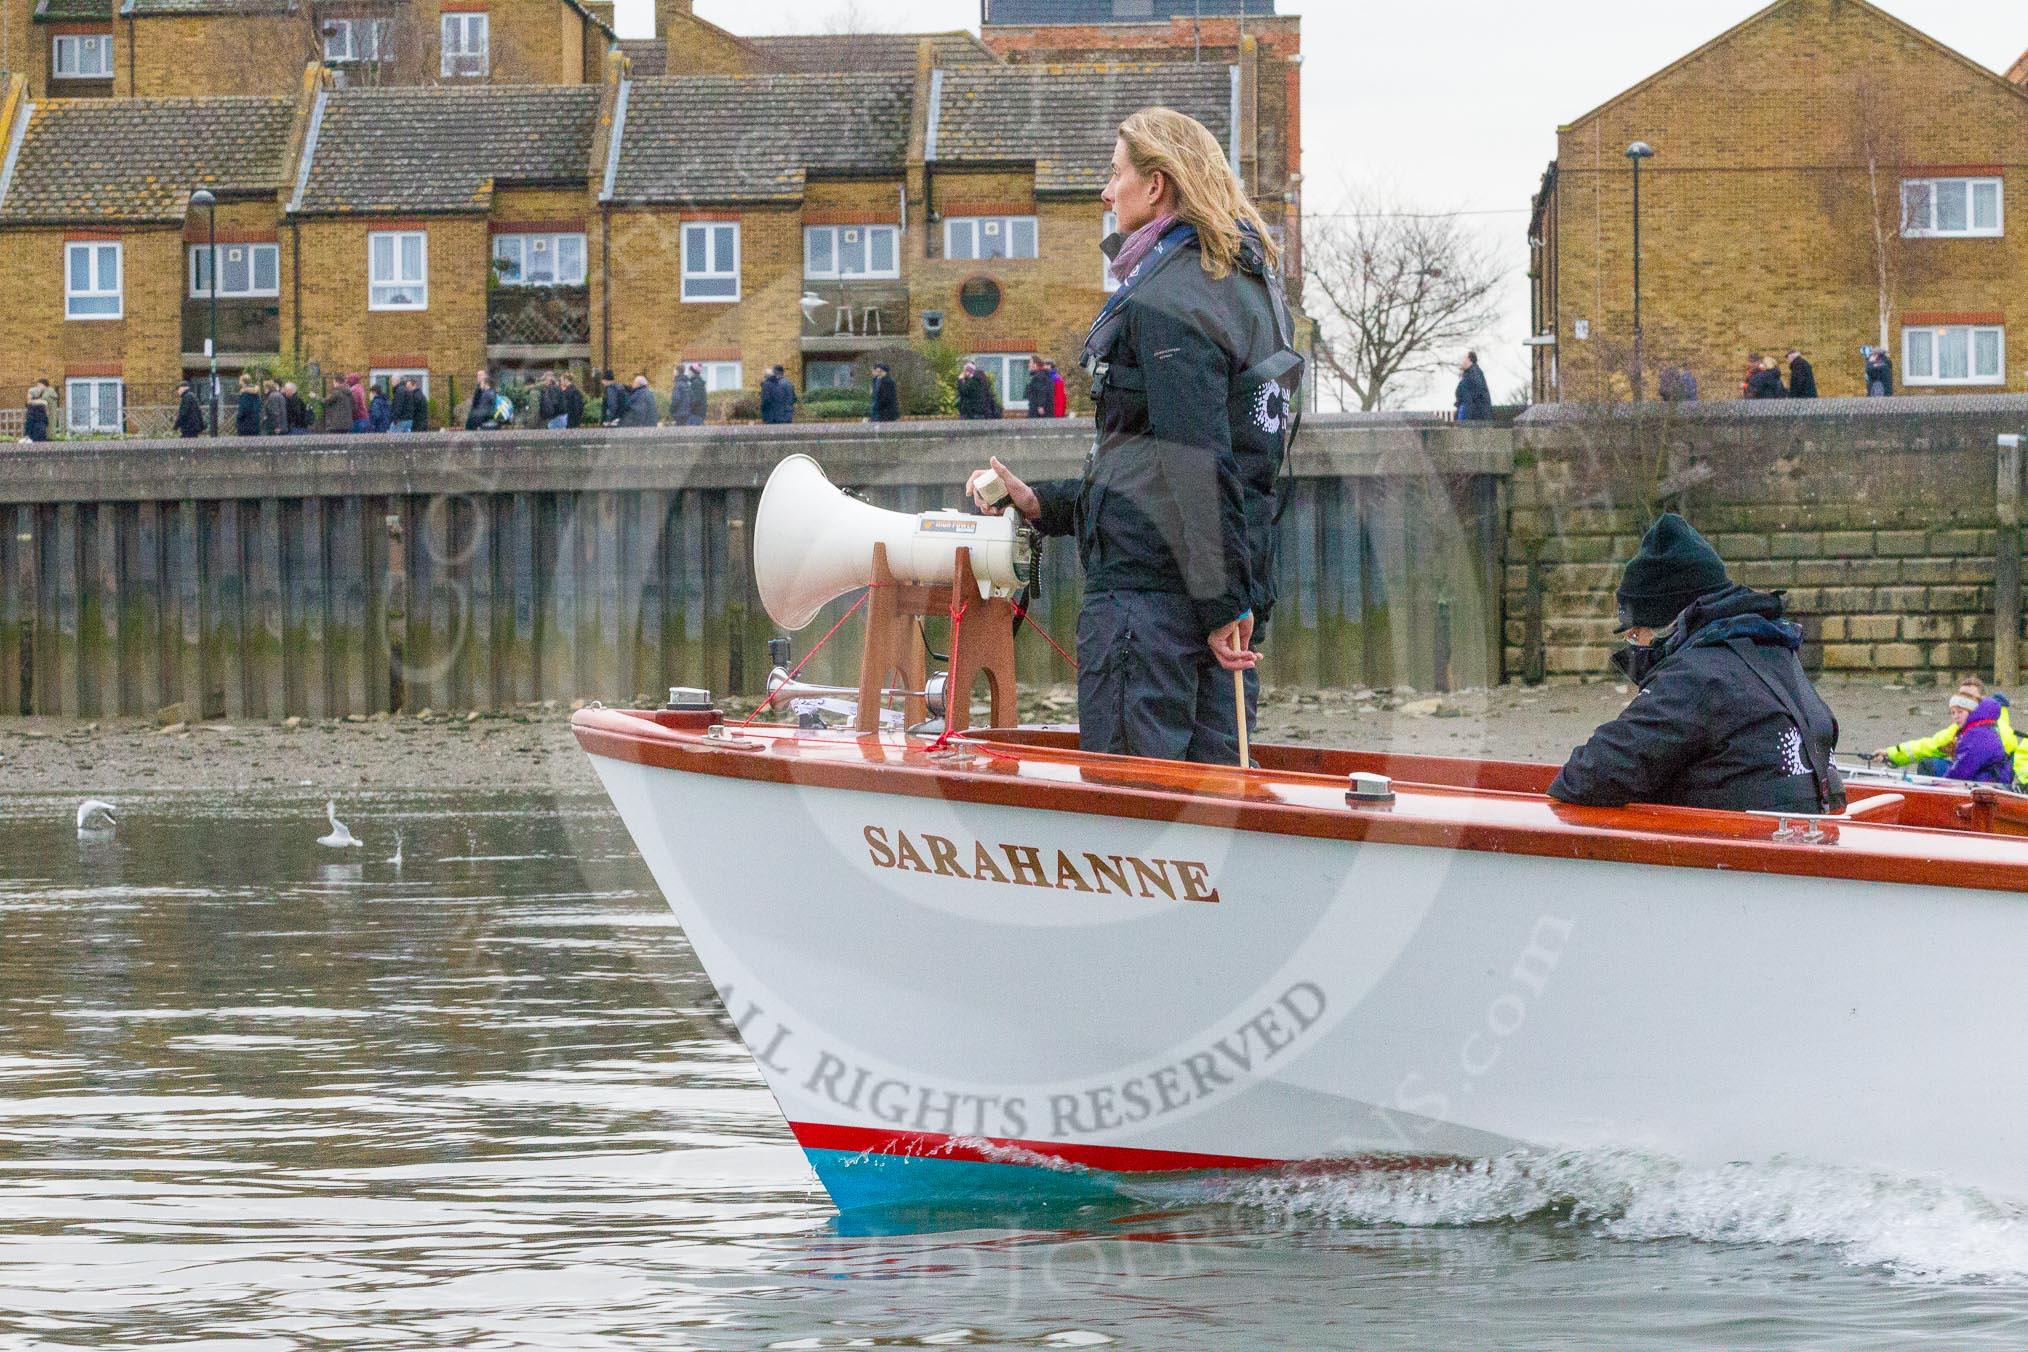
x=936, y=1030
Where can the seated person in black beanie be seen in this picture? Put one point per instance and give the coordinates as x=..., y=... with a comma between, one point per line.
x=1725, y=716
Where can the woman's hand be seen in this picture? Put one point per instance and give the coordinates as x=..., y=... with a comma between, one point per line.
x=1019, y=493
x=1232, y=645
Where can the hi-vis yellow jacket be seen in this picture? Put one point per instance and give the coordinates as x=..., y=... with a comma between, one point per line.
x=1944, y=745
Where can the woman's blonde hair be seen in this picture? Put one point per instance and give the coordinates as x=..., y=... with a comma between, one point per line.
x=1208, y=193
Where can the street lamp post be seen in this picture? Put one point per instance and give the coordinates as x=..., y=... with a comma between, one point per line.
x=1638, y=151
x=203, y=198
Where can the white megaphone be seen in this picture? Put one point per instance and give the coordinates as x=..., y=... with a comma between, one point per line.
x=813, y=542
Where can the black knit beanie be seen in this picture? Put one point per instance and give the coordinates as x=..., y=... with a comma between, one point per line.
x=1674, y=566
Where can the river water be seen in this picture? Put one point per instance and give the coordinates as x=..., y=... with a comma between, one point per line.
x=260, y=1094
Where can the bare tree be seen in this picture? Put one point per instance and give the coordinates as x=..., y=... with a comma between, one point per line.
x=1395, y=290
x=851, y=18
x=1865, y=199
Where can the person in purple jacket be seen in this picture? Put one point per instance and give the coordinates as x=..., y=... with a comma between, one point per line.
x=1981, y=757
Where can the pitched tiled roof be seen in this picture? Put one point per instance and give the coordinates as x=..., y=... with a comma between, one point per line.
x=846, y=52
x=93, y=160
x=1066, y=118
x=74, y=11
x=748, y=138
x=646, y=57
x=143, y=9
x=434, y=149
x=1110, y=11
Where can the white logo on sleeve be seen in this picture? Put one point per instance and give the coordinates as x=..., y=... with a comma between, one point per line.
x=1271, y=408
x=1792, y=753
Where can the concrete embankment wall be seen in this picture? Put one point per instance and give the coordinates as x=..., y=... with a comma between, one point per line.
x=329, y=576
x=1879, y=518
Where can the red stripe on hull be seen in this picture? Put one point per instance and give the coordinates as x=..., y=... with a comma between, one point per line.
x=993, y=1150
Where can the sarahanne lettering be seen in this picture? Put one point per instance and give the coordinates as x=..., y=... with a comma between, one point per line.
x=979, y=861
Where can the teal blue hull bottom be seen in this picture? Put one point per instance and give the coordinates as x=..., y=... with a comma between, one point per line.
x=862, y=1179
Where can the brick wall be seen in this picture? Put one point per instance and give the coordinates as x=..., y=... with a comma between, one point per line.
x=1757, y=213
x=342, y=334
x=653, y=328
x=1877, y=519
x=142, y=348
x=24, y=50
x=183, y=55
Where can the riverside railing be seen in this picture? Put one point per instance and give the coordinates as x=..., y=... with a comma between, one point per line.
x=326, y=576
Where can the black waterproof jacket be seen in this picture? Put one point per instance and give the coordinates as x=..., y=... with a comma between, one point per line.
x=1802, y=380
x=975, y=398
x=1766, y=383
x=777, y=399
x=1041, y=395
x=1178, y=494
x=1725, y=719
x=1474, y=400
x=886, y=400
x=189, y=417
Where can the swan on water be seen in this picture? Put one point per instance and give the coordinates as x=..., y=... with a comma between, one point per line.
x=396, y=861
x=95, y=817
x=340, y=838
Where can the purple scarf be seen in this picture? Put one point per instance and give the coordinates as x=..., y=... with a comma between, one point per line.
x=1140, y=244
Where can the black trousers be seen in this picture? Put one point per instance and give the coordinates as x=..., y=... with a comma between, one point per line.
x=1147, y=684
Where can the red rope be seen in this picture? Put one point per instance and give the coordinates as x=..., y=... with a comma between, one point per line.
x=951, y=692
x=806, y=658
x=1045, y=634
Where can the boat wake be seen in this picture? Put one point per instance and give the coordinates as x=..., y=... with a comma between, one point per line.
x=1917, y=1229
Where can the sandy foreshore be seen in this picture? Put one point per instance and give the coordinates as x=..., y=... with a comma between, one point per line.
x=533, y=748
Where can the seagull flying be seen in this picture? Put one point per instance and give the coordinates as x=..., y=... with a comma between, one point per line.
x=340, y=838
x=95, y=817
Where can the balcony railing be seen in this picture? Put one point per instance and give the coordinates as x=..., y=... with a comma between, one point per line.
x=855, y=314
x=244, y=326
x=538, y=316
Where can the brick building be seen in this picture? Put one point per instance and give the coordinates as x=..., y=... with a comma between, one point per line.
x=184, y=48
x=781, y=212
x=1824, y=177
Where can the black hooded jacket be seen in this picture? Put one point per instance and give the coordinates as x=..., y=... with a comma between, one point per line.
x=1178, y=495
x=1726, y=718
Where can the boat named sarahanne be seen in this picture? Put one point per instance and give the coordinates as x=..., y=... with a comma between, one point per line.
x=982, y=964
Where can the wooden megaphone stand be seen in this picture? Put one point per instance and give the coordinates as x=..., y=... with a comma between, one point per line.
x=981, y=643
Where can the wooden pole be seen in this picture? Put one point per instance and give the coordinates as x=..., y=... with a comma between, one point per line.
x=1239, y=706
x=2007, y=567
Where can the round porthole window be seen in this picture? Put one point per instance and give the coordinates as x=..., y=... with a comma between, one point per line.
x=980, y=297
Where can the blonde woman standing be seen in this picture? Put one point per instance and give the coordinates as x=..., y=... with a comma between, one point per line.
x=1193, y=375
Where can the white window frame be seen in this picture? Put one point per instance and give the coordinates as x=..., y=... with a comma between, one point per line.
x=974, y=230
x=76, y=45
x=200, y=281
x=1912, y=373
x=343, y=45
x=860, y=237
x=393, y=373
x=552, y=244
x=1109, y=224
x=709, y=275
x=81, y=396
x=420, y=284
x=1933, y=189
x=720, y=376
x=472, y=53
x=1002, y=366
x=95, y=252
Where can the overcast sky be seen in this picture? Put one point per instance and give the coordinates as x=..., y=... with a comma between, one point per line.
x=1454, y=107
